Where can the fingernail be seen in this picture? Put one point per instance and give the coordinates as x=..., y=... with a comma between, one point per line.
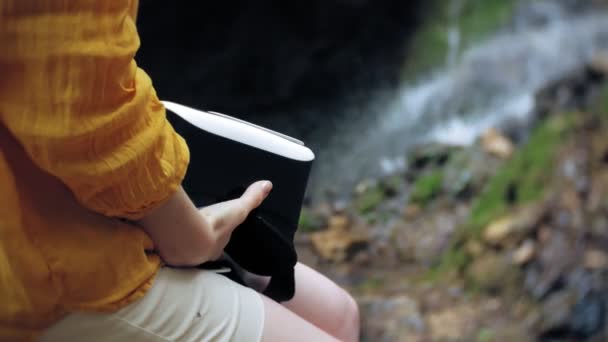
x=266, y=186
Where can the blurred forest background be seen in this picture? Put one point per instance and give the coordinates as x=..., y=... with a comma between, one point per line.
x=460, y=190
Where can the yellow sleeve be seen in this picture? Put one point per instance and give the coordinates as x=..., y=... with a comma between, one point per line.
x=72, y=94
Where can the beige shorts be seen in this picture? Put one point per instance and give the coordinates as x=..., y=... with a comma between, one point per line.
x=182, y=305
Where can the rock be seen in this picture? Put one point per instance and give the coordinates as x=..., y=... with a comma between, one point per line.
x=339, y=222
x=392, y=185
x=512, y=334
x=524, y=253
x=425, y=239
x=338, y=243
x=599, y=63
x=411, y=211
x=467, y=171
x=453, y=324
x=309, y=221
x=555, y=311
x=494, y=273
x=474, y=248
x=588, y=316
x=599, y=227
x=514, y=228
x=596, y=259
x=553, y=258
x=370, y=199
x=498, y=231
x=391, y=319
x=430, y=155
x=563, y=316
x=363, y=186
x=497, y=144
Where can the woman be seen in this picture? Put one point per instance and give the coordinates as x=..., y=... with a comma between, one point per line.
x=91, y=208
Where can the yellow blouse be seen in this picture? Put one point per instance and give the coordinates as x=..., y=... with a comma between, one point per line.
x=83, y=141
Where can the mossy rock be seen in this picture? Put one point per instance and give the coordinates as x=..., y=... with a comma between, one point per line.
x=392, y=185
x=521, y=180
x=369, y=200
x=427, y=187
x=309, y=222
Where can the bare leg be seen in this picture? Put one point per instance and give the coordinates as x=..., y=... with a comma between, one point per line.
x=281, y=325
x=323, y=303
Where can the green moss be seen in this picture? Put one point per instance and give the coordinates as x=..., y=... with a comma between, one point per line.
x=485, y=335
x=522, y=179
x=392, y=185
x=427, y=187
x=309, y=222
x=370, y=199
x=371, y=284
x=453, y=260
x=478, y=18
x=481, y=17
x=600, y=105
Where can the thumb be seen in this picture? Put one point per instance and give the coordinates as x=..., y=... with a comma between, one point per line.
x=255, y=194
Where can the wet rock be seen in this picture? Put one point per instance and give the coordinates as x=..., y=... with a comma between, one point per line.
x=391, y=319
x=595, y=259
x=496, y=144
x=494, y=273
x=524, y=253
x=514, y=228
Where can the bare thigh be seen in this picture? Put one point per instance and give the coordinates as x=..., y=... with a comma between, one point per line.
x=281, y=324
x=319, y=311
x=324, y=304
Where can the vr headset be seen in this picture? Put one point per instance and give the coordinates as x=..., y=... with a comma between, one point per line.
x=227, y=155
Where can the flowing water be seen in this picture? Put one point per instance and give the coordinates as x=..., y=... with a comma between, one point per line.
x=489, y=84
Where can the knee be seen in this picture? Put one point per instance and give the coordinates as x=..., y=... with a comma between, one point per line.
x=349, y=329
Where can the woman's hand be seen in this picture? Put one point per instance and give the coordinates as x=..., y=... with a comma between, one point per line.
x=185, y=236
x=224, y=217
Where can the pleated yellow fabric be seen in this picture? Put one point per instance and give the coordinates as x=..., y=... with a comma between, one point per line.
x=84, y=141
